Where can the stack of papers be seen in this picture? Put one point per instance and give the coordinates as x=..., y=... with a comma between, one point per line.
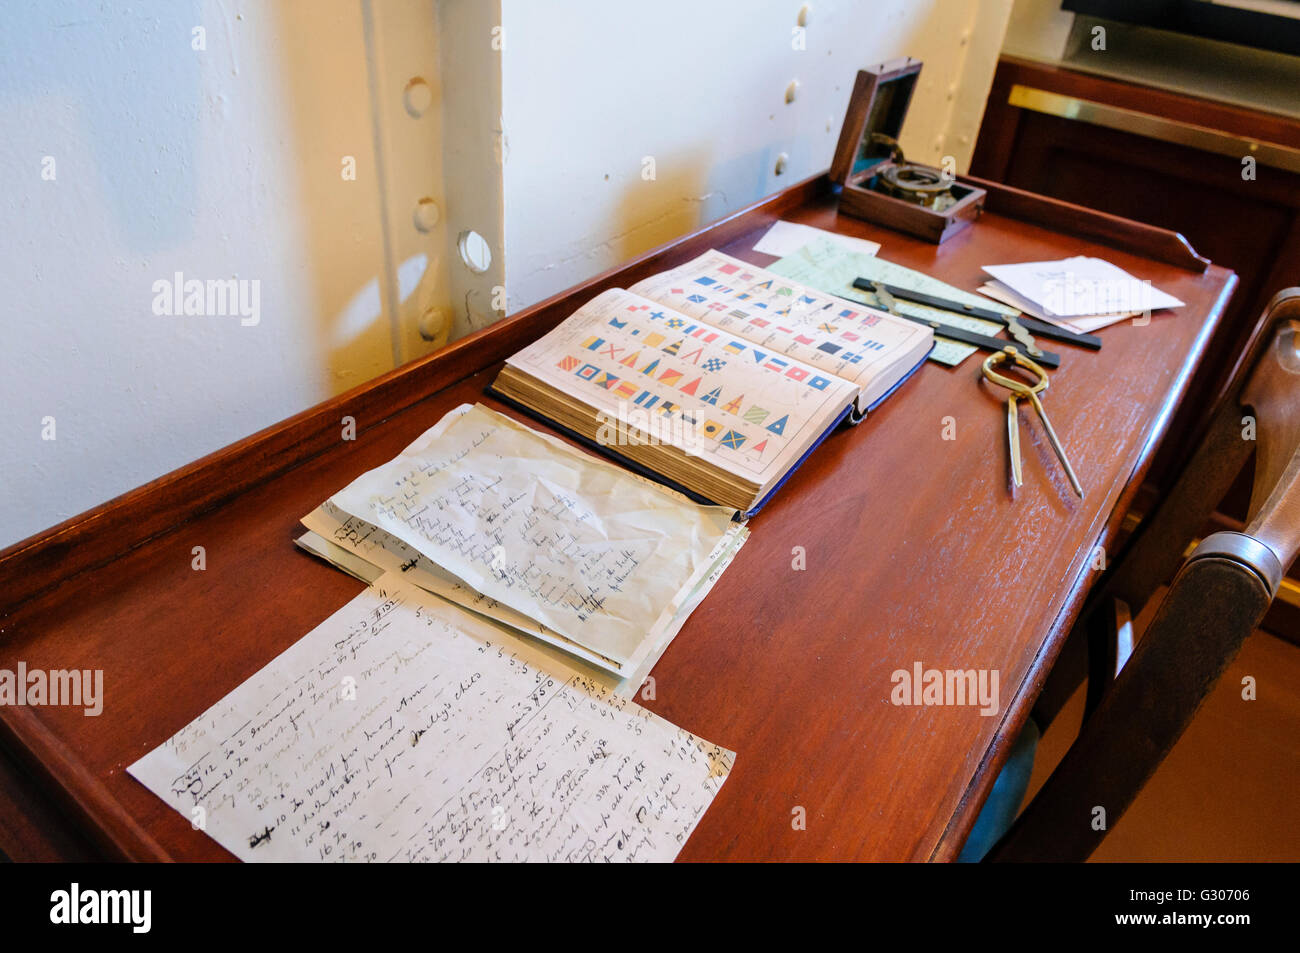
x=547, y=540
x=1080, y=293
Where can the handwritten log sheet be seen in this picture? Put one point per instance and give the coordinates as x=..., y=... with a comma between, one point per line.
x=404, y=728
x=604, y=558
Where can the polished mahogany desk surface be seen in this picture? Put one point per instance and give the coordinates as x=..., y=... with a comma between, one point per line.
x=916, y=551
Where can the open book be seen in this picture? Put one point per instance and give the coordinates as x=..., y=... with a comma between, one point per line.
x=717, y=376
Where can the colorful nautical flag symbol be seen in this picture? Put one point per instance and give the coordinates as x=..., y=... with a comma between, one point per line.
x=670, y=376
x=776, y=364
x=696, y=298
x=568, y=364
x=733, y=347
x=733, y=439
x=646, y=399
x=737, y=313
x=675, y=323
x=692, y=387
x=712, y=396
x=848, y=313
x=606, y=380
x=714, y=364
x=657, y=315
x=756, y=414
x=692, y=356
x=630, y=360
x=849, y=336
x=711, y=428
x=759, y=322
x=778, y=426
x=745, y=276
x=677, y=291
x=803, y=339
x=786, y=330
x=852, y=358
x=728, y=269
x=654, y=340
x=828, y=327
x=733, y=406
x=705, y=280
x=760, y=304
x=587, y=371
x=806, y=299
x=625, y=389
x=828, y=347
x=650, y=368
x=592, y=343
x=797, y=373
x=704, y=335
x=743, y=296
x=785, y=291
x=617, y=323
x=717, y=306
x=821, y=383
x=688, y=417
x=674, y=347
x=758, y=447
x=759, y=356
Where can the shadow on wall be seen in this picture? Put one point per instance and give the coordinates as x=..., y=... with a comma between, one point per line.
x=327, y=99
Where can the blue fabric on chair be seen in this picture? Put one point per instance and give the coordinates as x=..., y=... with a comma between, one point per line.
x=1003, y=802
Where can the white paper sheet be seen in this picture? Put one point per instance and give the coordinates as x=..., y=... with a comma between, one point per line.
x=1083, y=324
x=406, y=729
x=367, y=552
x=786, y=238
x=1081, y=286
x=602, y=557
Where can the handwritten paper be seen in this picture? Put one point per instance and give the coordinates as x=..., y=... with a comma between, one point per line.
x=602, y=557
x=367, y=552
x=406, y=729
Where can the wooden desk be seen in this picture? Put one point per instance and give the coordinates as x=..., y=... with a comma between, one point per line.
x=915, y=552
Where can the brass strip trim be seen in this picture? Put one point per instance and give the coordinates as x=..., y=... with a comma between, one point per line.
x=1154, y=127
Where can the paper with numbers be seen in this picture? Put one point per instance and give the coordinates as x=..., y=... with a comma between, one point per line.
x=577, y=545
x=404, y=728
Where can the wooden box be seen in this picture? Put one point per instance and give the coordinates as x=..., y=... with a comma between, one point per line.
x=864, y=164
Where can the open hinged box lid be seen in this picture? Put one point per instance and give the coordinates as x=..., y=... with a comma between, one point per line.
x=878, y=184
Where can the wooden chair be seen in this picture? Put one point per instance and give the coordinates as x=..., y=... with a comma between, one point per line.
x=1140, y=702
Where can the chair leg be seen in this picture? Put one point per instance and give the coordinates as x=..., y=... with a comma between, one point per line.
x=1143, y=714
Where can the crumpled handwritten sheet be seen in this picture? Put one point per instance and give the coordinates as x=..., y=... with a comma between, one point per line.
x=604, y=558
x=404, y=728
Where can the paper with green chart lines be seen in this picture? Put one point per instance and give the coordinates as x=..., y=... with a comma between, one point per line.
x=826, y=266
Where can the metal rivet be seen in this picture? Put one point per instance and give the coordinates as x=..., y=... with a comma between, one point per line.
x=426, y=214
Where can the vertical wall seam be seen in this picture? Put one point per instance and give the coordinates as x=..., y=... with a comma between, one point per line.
x=389, y=294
